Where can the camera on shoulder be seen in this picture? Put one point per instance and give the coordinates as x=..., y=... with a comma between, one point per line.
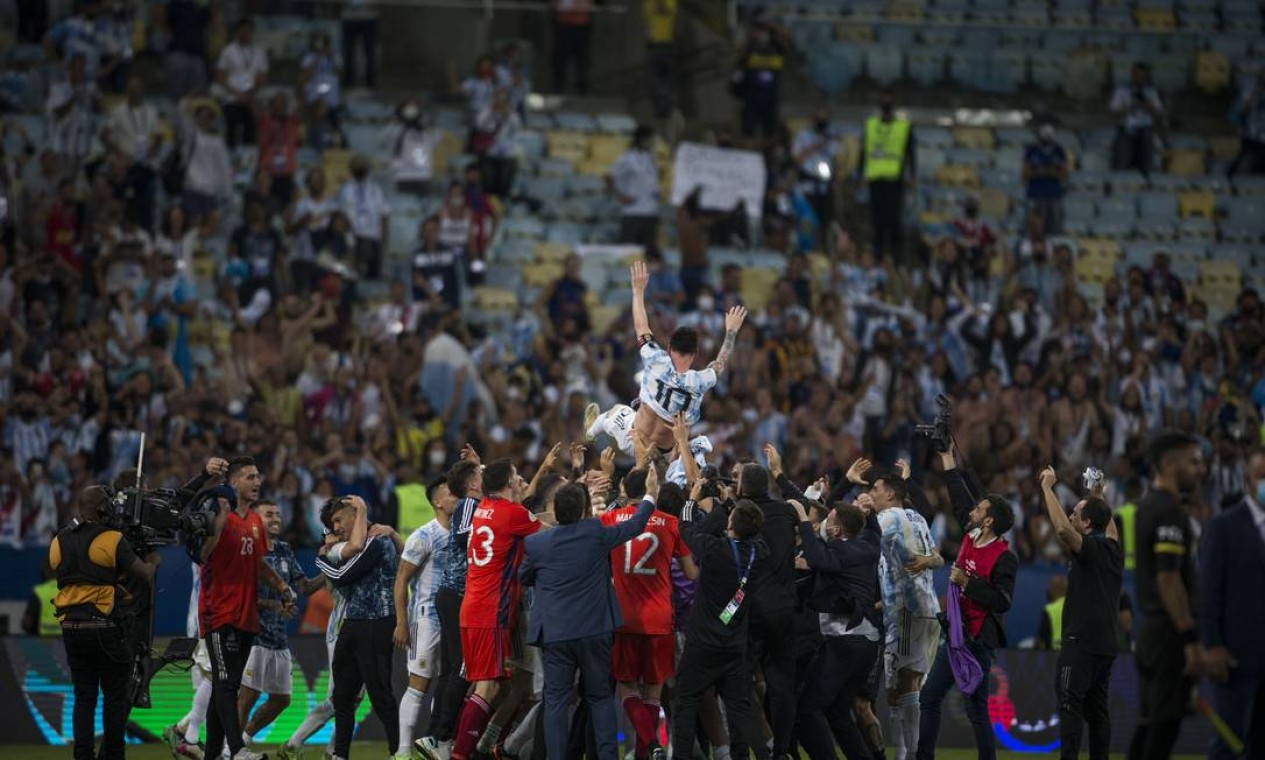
x=938, y=433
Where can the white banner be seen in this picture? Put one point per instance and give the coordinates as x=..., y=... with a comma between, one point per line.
x=726, y=176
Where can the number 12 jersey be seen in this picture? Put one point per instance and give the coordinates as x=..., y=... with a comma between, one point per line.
x=642, y=570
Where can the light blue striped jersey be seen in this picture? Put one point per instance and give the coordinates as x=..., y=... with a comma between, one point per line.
x=426, y=549
x=905, y=536
x=667, y=391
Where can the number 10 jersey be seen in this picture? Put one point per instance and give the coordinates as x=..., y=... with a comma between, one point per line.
x=667, y=391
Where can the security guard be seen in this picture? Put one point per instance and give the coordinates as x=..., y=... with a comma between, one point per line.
x=88, y=559
x=886, y=162
x=40, y=617
x=408, y=502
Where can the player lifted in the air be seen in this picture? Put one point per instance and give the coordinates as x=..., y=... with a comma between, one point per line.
x=668, y=383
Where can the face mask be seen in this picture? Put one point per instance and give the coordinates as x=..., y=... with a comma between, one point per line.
x=437, y=457
x=360, y=174
x=347, y=472
x=822, y=126
x=410, y=112
x=706, y=304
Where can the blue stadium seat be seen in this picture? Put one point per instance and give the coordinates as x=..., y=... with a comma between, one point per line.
x=1000, y=178
x=930, y=158
x=885, y=64
x=937, y=136
x=1244, y=256
x=1047, y=69
x=968, y=66
x=1086, y=181
x=938, y=37
x=1080, y=206
x=1171, y=72
x=565, y=232
x=1157, y=205
x=1197, y=229
x=616, y=123
x=1061, y=41
x=833, y=76
x=1119, y=206
x=926, y=66
x=900, y=35
x=1007, y=70
x=1113, y=228
x=575, y=122
x=976, y=157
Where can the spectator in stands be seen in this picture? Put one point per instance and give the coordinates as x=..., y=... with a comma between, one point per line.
x=496, y=130
x=661, y=18
x=239, y=73
x=664, y=290
x=411, y=146
x=757, y=82
x=814, y=150
x=186, y=23
x=71, y=109
x=977, y=241
x=572, y=33
x=1045, y=172
x=436, y=272
x=305, y=220
x=369, y=211
x=208, y=175
x=360, y=26
x=116, y=27
x=79, y=34
x=477, y=89
x=887, y=166
x=1248, y=116
x=134, y=130
x=634, y=181
x=1141, y=111
x=170, y=303
x=564, y=299
x=259, y=248
x=278, y=131
x=511, y=73
x=320, y=69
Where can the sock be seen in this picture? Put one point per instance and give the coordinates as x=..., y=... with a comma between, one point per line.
x=491, y=735
x=650, y=717
x=475, y=715
x=319, y=716
x=910, y=716
x=896, y=729
x=721, y=752
x=522, y=733
x=409, y=707
x=632, y=708
x=197, y=712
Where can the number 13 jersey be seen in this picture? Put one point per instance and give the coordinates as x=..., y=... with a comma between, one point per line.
x=642, y=569
x=493, y=553
x=667, y=391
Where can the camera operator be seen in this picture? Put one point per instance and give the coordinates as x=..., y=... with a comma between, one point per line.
x=89, y=559
x=232, y=566
x=984, y=573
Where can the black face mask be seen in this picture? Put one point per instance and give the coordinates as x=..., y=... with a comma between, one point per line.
x=360, y=174
x=822, y=126
x=971, y=212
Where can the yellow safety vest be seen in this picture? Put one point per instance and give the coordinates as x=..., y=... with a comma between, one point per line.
x=415, y=509
x=885, y=143
x=1055, y=610
x=1128, y=514
x=44, y=592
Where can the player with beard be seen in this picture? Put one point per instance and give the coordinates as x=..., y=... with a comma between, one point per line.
x=232, y=567
x=270, y=665
x=669, y=384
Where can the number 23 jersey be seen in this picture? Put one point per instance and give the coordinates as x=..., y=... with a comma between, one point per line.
x=642, y=571
x=229, y=594
x=667, y=391
x=493, y=554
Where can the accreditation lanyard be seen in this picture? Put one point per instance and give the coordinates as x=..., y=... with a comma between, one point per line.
x=731, y=609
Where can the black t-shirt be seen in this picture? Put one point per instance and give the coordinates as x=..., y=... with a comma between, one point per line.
x=1093, y=596
x=1165, y=543
x=440, y=269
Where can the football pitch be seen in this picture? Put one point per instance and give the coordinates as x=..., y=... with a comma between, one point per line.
x=378, y=750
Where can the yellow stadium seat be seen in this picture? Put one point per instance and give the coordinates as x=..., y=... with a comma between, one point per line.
x=603, y=316
x=1186, y=163
x=336, y=162
x=1219, y=273
x=757, y=286
x=994, y=203
x=541, y=275
x=1224, y=147
x=1157, y=19
x=487, y=298
x=608, y=148
x=1094, y=270
x=1099, y=248
x=957, y=175
x=552, y=253
x=1212, y=72
x=1197, y=203
x=846, y=31
x=981, y=138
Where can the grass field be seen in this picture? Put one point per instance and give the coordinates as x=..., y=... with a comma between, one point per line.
x=379, y=750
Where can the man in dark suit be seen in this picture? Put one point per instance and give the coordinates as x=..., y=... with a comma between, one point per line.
x=772, y=628
x=1232, y=570
x=576, y=610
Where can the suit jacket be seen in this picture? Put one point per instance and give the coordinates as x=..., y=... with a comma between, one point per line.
x=773, y=590
x=846, y=572
x=1232, y=568
x=570, y=568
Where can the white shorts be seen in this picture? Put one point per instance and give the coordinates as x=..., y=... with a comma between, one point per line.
x=201, y=657
x=269, y=671
x=616, y=422
x=911, y=645
x=423, y=647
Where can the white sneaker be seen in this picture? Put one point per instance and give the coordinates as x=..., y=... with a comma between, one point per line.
x=590, y=417
x=426, y=748
x=246, y=753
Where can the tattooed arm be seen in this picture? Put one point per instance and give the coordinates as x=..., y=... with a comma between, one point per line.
x=733, y=323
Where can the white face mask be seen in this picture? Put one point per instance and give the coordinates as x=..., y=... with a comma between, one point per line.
x=437, y=457
x=410, y=112
x=706, y=303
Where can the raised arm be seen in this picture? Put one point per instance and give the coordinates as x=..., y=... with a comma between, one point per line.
x=639, y=277
x=733, y=323
x=1067, y=535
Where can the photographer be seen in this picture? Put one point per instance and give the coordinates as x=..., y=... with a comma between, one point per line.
x=984, y=576
x=88, y=559
x=232, y=566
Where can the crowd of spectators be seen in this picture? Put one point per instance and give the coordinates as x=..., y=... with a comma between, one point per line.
x=119, y=314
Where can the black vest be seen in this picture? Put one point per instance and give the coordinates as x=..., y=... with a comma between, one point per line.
x=82, y=583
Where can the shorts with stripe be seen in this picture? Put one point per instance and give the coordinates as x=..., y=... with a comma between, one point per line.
x=488, y=653
x=911, y=645
x=423, y=649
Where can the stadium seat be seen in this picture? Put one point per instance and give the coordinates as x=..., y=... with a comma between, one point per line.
x=930, y=159
x=616, y=123
x=1171, y=73
x=1007, y=70
x=488, y=298
x=979, y=138
x=1126, y=182
x=1243, y=256
x=1080, y=207
x=1115, y=228
x=1212, y=72
x=885, y=64
x=926, y=66
x=898, y=35
x=1168, y=183
x=1118, y=206
x=1200, y=203
x=941, y=38
x=1246, y=185
x=1157, y=205
x=1047, y=69
x=957, y=175
x=1085, y=75
x=1197, y=229
x=969, y=67
x=1089, y=182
